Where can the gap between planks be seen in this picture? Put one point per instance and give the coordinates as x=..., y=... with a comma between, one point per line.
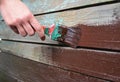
x=62, y=45
x=25, y=61
x=81, y=60
x=95, y=35
x=72, y=8
x=80, y=7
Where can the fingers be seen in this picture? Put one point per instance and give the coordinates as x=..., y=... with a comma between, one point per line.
x=21, y=30
x=38, y=28
x=28, y=26
x=28, y=29
x=14, y=29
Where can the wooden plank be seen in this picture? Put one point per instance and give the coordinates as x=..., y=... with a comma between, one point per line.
x=97, y=63
x=6, y=78
x=28, y=71
x=43, y=6
x=99, y=26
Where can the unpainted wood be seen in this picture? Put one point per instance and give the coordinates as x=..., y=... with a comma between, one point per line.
x=28, y=71
x=4, y=77
x=100, y=26
x=44, y=6
x=97, y=63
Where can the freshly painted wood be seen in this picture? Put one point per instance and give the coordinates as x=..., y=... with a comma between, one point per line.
x=28, y=71
x=100, y=26
x=97, y=63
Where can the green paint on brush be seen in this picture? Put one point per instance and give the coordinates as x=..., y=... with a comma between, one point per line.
x=55, y=34
x=46, y=31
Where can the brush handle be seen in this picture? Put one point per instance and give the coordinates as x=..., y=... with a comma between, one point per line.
x=53, y=32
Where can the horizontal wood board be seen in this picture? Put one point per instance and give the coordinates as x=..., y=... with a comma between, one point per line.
x=4, y=77
x=98, y=63
x=100, y=26
x=28, y=71
x=44, y=6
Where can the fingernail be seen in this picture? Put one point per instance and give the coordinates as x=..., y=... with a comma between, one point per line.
x=43, y=38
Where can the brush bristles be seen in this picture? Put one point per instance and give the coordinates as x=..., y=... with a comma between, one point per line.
x=70, y=35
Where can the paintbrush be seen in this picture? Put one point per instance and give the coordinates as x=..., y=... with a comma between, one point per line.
x=67, y=35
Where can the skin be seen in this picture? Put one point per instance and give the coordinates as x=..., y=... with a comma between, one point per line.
x=19, y=18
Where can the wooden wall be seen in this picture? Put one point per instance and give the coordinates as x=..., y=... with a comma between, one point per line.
x=97, y=59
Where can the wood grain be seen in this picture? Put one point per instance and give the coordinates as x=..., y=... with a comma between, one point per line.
x=44, y=6
x=4, y=77
x=99, y=26
x=97, y=63
x=100, y=31
x=28, y=71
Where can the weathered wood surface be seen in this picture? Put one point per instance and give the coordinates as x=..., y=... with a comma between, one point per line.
x=100, y=26
x=98, y=63
x=45, y=6
x=28, y=71
x=4, y=77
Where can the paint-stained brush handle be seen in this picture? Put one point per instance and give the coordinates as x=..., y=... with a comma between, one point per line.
x=67, y=35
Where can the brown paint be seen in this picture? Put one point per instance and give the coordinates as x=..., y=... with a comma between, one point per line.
x=101, y=64
x=28, y=71
x=70, y=35
x=97, y=63
x=99, y=28
x=101, y=36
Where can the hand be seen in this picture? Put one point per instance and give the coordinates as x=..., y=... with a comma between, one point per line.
x=19, y=18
